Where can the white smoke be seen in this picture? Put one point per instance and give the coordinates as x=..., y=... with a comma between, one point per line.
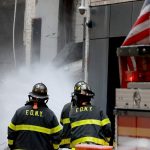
x=16, y=86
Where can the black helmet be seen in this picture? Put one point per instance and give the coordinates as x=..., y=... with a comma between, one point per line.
x=39, y=91
x=82, y=88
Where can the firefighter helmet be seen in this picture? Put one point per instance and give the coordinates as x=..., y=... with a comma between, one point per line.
x=39, y=91
x=82, y=88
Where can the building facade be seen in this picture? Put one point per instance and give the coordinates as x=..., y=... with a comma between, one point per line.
x=110, y=25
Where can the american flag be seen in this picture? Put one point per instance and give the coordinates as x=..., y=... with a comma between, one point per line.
x=140, y=32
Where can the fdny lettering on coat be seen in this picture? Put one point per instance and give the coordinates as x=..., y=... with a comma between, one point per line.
x=83, y=109
x=35, y=113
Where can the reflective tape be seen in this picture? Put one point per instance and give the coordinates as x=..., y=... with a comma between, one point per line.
x=65, y=121
x=85, y=122
x=35, y=128
x=90, y=121
x=65, y=141
x=56, y=146
x=105, y=121
x=10, y=142
x=12, y=126
x=89, y=139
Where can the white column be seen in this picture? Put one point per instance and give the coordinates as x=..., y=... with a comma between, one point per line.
x=29, y=14
x=86, y=59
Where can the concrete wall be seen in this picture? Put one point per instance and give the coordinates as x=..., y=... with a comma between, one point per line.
x=61, y=24
x=7, y=62
x=79, y=25
x=104, y=2
x=48, y=10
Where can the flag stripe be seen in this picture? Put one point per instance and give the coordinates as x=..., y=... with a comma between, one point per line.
x=141, y=29
x=134, y=39
x=138, y=29
x=142, y=19
x=145, y=41
x=144, y=10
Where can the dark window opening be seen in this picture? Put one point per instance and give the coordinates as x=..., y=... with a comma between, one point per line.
x=113, y=76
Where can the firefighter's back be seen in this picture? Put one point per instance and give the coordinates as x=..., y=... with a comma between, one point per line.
x=86, y=125
x=34, y=126
x=88, y=122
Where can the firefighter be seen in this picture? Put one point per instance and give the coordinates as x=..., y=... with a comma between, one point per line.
x=65, y=122
x=34, y=126
x=88, y=122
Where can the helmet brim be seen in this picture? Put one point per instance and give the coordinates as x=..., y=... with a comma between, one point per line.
x=38, y=96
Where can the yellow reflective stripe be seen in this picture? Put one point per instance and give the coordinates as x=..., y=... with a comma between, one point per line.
x=12, y=126
x=10, y=142
x=32, y=128
x=72, y=148
x=108, y=138
x=105, y=121
x=65, y=120
x=55, y=129
x=65, y=141
x=84, y=122
x=38, y=129
x=89, y=139
x=55, y=146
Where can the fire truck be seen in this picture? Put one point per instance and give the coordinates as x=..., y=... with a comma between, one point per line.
x=132, y=103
